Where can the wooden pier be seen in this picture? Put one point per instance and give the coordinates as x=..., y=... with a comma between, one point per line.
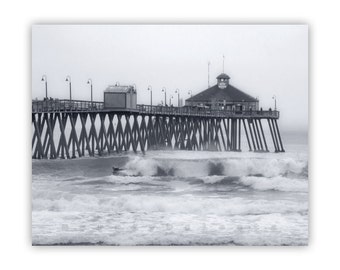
x=70, y=129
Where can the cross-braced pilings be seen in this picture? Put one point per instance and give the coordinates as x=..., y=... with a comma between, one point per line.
x=77, y=133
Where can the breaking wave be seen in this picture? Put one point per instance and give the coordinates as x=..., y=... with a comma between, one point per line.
x=288, y=167
x=153, y=203
x=276, y=183
x=256, y=173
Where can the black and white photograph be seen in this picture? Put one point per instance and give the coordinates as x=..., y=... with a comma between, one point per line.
x=169, y=135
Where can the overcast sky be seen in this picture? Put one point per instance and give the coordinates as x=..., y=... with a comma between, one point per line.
x=262, y=60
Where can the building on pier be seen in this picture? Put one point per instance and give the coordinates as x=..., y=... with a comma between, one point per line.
x=223, y=96
x=120, y=97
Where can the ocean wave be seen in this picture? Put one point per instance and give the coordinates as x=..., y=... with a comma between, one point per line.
x=275, y=183
x=117, y=183
x=278, y=183
x=286, y=174
x=156, y=203
x=234, y=167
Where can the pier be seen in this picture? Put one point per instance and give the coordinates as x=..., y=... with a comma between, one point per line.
x=77, y=128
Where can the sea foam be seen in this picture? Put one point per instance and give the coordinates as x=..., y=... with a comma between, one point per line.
x=143, y=166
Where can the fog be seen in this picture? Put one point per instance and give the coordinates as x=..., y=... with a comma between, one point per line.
x=262, y=60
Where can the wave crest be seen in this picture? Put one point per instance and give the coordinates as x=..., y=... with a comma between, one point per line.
x=233, y=167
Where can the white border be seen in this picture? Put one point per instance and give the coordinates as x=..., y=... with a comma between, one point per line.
x=16, y=20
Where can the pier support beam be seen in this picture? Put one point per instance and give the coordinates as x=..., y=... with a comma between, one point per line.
x=263, y=136
x=251, y=135
x=245, y=130
x=77, y=134
x=272, y=134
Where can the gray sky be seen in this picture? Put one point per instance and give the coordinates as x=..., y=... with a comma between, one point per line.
x=262, y=60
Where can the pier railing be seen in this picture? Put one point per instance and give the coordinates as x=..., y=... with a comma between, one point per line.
x=58, y=105
x=65, y=105
x=197, y=111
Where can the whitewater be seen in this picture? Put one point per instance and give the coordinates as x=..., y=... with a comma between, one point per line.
x=173, y=198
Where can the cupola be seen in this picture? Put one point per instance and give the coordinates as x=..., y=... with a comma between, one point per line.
x=223, y=80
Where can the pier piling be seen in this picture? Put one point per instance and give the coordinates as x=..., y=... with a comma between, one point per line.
x=68, y=132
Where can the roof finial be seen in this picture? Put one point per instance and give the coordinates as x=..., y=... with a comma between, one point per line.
x=223, y=63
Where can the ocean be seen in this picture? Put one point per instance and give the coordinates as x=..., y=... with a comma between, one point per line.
x=174, y=198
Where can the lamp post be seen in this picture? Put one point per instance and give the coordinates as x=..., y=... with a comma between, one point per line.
x=89, y=81
x=190, y=93
x=164, y=90
x=150, y=89
x=134, y=90
x=171, y=97
x=68, y=79
x=177, y=91
x=44, y=79
x=274, y=97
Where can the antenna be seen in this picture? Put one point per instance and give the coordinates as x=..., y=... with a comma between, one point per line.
x=208, y=74
x=223, y=64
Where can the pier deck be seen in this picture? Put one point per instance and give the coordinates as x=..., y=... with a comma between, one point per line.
x=70, y=129
x=78, y=106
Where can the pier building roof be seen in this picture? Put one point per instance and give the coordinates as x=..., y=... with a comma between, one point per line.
x=222, y=91
x=119, y=88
